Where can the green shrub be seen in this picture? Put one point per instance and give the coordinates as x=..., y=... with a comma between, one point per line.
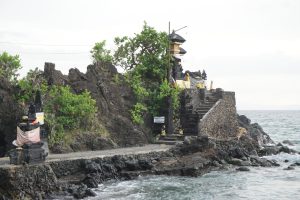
x=66, y=112
x=9, y=65
x=137, y=113
x=70, y=110
x=100, y=54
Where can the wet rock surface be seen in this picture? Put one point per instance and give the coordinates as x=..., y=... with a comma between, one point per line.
x=288, y=142
x=28, y=182
x=254, y=130
x=273, y=150
x=289, y=168
x=244, y=169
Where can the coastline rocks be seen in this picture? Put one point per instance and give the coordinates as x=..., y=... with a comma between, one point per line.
x=28, y=181
x=243, y=169
x=235, y=161
x=196, y=156
x=264, y=144
x=263, y=162
x=297, y=163
x=80, y=191
x=269, y=150
x=288, y=142
x=273, y=150
x=289, y=168
x=285, y=149
x=254, y=130
x=194, y=144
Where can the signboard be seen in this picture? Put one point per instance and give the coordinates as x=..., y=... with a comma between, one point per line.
x=159, y=120
x=40, y=117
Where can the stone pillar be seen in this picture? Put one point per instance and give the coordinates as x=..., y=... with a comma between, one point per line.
x=169, y=118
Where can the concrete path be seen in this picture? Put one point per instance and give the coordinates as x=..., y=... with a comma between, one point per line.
x=100, y=154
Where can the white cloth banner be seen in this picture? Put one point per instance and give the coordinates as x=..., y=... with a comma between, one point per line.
x=32, y=136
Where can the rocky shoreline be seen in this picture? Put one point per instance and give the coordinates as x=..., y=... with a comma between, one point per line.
x=196, y=156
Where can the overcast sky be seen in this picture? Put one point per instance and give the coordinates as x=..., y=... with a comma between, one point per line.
x=251, y=47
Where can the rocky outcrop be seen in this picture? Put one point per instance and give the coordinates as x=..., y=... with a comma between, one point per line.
x=265, y=146
x=9, y=113
x=27, y=182
x=255, y=131
x=54, y=77
x=113, y=96
x=276, y=149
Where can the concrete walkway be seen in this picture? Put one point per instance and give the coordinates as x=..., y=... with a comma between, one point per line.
x=100, y=154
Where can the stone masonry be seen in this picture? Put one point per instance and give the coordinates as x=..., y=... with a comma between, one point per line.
x=211, y=113
x=220, y=121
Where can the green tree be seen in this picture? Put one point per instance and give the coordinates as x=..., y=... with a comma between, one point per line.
x=70, y=110
x=144, y=58
x=145, y=61
x=66, y=112
x=9, y=65
x=100, y=54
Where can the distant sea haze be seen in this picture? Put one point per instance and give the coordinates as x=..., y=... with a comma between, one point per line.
x=268, y=107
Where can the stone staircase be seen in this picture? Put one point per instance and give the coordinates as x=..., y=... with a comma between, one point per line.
x=170, y=139
x=193, y=115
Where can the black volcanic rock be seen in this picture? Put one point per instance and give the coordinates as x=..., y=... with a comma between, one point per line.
x=254, y=130
x=244, y=169
x=54, y=77
x=114, y=99
x=9, y=112
x=288, y=142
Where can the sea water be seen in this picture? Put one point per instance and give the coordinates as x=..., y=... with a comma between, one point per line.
x=258, y=183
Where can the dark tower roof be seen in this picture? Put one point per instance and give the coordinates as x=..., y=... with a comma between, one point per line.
x=176, y=38
x=176, y=58
x=182, y=51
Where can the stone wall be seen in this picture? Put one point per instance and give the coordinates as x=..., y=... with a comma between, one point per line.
x=220, y=121
x=27, y=182
x=40, y=181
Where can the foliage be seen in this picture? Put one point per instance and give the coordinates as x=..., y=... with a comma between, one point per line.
x=137, y=113
x=167, y=91
x=146, y=52
x=66, y=112
x=100, y=54
x=28, y=85
x=9, y=65
x=70, y=110
x=145, y=61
